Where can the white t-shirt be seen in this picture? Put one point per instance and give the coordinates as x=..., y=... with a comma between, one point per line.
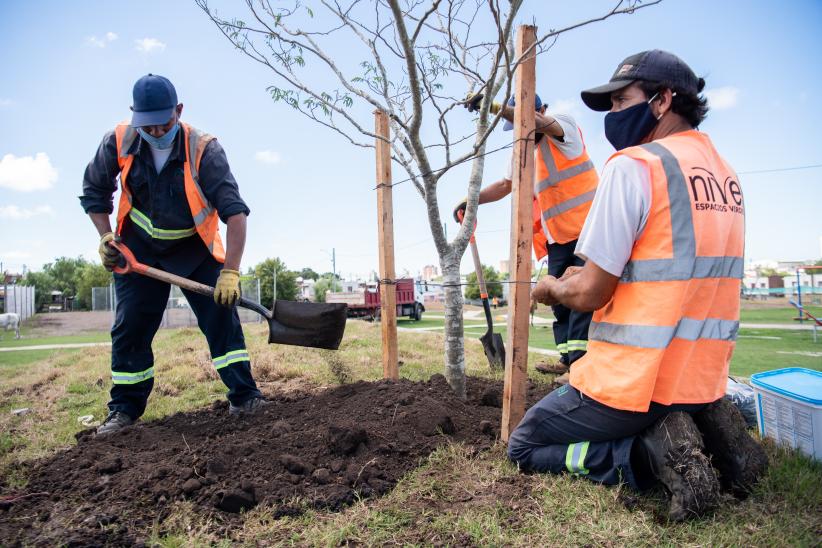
x=617, y=216
x=160, y=156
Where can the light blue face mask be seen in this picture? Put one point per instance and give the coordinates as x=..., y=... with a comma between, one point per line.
x=161, y=143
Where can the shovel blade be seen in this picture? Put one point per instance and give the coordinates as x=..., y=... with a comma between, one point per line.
x=494, y=350
x=316, y=325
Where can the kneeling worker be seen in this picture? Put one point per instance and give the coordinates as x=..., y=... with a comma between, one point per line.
x=664, y=262
x=564, y=187
x=176, y=185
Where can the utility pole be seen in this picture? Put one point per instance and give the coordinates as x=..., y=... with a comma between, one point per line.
x=334, y=268
x=274, y=289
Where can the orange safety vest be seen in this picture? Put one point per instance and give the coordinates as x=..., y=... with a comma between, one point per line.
x=668, y=332
x=563, y=193
x=206, y=221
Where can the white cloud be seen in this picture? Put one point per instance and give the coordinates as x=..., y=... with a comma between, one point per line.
x=722, y=98
x=101, y=42
x=27, y=173
x=150, y=45
x=16, y=254
x=564, y=106
x=5, y=102
x=18, y=214
x=267, y=157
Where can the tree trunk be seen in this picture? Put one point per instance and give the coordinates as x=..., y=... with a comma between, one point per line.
x=454, y=342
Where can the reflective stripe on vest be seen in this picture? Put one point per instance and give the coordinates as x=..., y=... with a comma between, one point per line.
x=142, y=221
x=656, y=336
x=565, y=192
x=668, y=333
x=206, y=221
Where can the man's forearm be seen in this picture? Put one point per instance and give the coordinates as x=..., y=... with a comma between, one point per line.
x=235, y=241
x=543, y=123
x=101, y=222
x=495, y=191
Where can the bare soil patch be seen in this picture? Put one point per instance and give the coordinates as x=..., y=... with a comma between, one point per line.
x=306, y=450
x=55, y=324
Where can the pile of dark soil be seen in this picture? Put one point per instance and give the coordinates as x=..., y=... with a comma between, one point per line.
x=308, y=449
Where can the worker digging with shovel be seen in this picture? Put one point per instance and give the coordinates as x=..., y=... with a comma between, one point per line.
x=176, y=186
x=564, y=186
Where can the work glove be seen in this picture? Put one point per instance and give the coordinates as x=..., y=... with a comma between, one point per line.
x=108, y=255
x=227, y=290
x=472, y=103
x=460, y=207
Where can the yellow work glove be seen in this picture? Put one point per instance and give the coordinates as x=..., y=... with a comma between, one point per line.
x=472, y=103
x=227, y=290
x=108, y=255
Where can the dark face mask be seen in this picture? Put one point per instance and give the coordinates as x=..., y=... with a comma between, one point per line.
x=628, y=127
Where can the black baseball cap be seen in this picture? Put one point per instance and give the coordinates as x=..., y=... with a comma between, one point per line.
x=653, y=66
x=154, y=101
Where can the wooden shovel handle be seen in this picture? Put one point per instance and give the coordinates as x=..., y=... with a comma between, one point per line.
x=131, y=264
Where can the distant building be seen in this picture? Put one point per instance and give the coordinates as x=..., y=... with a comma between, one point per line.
x=305, y=289
x=429, y=272
x=11, y=278
x=504, y=266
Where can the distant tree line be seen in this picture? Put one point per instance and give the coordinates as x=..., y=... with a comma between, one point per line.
x=75, y=277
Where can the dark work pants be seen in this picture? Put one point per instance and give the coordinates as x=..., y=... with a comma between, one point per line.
x=570, y=327
x=568, y=431
x=141, y=302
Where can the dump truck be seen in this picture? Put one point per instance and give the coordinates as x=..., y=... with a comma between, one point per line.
x=364, y=302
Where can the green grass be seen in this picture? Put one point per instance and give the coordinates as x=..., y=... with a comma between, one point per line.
x=756, y=349
x=777, y=315
x=764, y=349
x=9, y=342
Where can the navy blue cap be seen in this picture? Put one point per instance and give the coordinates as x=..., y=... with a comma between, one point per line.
x=651, y=66
x=154, y=101
x=511, y=102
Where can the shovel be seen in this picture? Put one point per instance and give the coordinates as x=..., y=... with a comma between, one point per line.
x=491, y=342
x=317, y=325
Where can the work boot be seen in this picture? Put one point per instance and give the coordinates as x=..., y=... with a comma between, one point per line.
x=249, y=407
x=673, y=446
x=553, y=368
x=562, y=380
x=738, y=457
x=116, y=421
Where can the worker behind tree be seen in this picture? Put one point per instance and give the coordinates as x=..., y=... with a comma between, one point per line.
x=664, y=262
x=176, y=186
x=564, y=186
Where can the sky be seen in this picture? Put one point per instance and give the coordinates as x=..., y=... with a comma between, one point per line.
x=69, y=68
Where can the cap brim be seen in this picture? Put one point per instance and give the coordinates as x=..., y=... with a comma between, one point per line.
x=151, y=117
x=599, y=98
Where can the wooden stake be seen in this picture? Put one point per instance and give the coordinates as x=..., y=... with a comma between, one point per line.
x=522, y=195
x=385, y=225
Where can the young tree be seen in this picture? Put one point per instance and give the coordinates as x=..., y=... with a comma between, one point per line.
x=492, y=284
x=91, y=275
x=414, y=60
x=286, y=281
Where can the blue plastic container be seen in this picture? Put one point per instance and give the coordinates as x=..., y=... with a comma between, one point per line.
x=789, y=407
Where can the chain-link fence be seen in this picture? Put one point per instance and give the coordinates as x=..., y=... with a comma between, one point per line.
x=178, y=312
